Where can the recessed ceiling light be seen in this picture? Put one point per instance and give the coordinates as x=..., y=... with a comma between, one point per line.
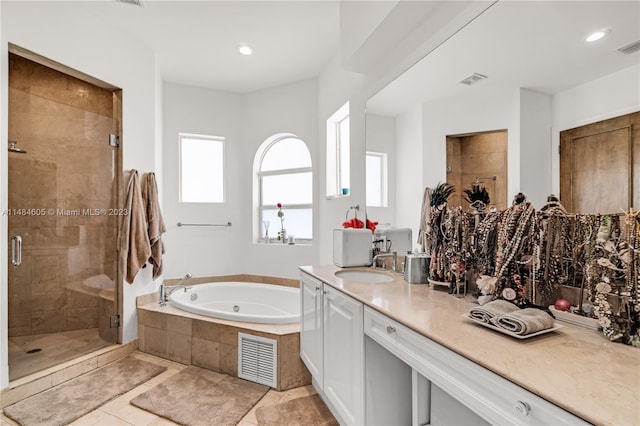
x=597, y=35
x=245, y=49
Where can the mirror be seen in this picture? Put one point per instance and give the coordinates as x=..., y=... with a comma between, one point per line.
x=541, y=74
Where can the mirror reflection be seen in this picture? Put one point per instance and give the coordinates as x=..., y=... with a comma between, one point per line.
x=524, y=71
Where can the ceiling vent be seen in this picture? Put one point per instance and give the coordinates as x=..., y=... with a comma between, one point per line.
x=630, y=48
x=473, y=79
x=132, y=2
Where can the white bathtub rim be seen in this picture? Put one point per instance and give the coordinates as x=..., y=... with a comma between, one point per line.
x=179, y=300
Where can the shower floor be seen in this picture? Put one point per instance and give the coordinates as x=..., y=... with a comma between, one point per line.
x=55, y=348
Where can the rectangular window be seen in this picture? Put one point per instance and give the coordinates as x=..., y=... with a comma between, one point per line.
x=338, y=153
x=376, y=179
x=201, y=168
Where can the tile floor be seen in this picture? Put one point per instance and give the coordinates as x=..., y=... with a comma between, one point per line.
x=56, y=348
x=119, y=412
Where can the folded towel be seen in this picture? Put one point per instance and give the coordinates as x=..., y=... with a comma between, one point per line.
x=133, y=241
x=155, y=222
x=525, y=321
x=491, y=310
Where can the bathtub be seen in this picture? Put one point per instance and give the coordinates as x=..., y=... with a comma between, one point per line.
x=241, y=301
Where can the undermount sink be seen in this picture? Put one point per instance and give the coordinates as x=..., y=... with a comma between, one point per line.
x=364, y=276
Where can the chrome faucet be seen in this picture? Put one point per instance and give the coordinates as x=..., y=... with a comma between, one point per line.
x=394, y=265
x=166, y=291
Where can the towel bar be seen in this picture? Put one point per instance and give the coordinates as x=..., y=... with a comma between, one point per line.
x=204, y=224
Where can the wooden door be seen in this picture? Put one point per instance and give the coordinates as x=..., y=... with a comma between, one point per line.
x=600, y=166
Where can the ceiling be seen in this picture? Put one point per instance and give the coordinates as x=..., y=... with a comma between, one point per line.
x=196, y=41
x=531, y=44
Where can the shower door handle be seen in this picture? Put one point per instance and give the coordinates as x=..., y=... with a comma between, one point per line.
x=16, y=250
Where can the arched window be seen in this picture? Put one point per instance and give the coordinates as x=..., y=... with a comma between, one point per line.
x=284, y=176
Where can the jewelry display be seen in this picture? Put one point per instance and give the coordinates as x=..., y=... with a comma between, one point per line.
x=535, y=258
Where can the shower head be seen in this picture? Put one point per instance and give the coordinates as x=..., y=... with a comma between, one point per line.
x=14, y=148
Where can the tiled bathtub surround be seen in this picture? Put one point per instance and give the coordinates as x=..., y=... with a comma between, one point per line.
x=63, y=123
x=212, y=343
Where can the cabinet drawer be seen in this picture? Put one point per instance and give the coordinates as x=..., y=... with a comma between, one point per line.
x=492, y=397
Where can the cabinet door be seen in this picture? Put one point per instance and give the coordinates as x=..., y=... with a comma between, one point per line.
x=344, y=355
x=311, y=326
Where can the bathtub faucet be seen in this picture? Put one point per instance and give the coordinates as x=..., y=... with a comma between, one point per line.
x=166, y=291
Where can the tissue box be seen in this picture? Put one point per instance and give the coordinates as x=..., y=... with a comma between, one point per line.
x=351, y=247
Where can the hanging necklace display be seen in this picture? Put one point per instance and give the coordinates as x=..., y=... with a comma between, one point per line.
x=516, y=241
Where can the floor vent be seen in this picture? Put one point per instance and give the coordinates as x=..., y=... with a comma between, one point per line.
x=258, y=359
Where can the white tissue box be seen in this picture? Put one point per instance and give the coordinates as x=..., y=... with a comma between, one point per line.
x=352, y=247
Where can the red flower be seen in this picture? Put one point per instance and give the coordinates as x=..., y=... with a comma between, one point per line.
x=279, y=205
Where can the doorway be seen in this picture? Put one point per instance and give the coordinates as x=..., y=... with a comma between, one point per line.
x=478, y=159
x=64, y=178
x=600, y=166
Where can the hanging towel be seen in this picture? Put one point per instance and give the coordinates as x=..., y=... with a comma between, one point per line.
x=425, y=222
x=134, y=241
x=155, y=222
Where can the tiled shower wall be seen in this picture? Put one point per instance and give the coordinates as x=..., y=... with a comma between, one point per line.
x=69, y=256
x=481, y=156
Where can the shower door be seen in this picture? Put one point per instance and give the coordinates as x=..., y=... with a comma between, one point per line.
x=64, y=190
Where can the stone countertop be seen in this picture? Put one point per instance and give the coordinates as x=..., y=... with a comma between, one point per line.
x=575, y=368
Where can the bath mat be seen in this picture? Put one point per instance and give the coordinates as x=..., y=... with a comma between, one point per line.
x=71, y=400
x=197, y=397
x=307, y=410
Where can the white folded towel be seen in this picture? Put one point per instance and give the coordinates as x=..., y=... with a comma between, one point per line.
x=491, y=310
x=524, y=321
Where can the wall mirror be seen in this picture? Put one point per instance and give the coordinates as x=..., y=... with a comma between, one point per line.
x=535, y=58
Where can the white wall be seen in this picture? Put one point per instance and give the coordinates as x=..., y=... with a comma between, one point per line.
x=202, y=251
x=291, y=108
x=410, y=169
x=381, y=137
x=535, y=145
x=335, y=87
x=607, y=97
x=484, y=109
x=68, y=34
x=245, y=121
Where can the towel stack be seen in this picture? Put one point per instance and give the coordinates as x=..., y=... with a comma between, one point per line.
x=508, y=316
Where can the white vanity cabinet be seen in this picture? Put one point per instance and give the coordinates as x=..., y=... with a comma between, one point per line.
x=441, y=378
x=332, y=347
x=311, y=328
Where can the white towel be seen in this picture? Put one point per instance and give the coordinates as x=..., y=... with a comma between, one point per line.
x=492, y=310
x=525, y=321
x=133, y=242
x=155, y=223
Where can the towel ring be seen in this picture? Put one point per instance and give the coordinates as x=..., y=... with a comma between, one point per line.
x=355, y=212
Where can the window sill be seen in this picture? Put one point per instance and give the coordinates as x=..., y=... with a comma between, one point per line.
x=278, y=243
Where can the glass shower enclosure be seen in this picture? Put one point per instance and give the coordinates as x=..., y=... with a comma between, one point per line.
x=64, y=191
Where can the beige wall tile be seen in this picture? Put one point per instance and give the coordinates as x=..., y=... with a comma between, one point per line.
x=229, y=359
x=208, y=330
x=153, y=319
x=48, y=321
x=205, y=354
x=155, y=341
x=82, y=318
x=178, y=347
x=180, y=325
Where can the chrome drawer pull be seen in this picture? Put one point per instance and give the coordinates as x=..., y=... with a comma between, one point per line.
x=522, y=408
x=391, y=329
